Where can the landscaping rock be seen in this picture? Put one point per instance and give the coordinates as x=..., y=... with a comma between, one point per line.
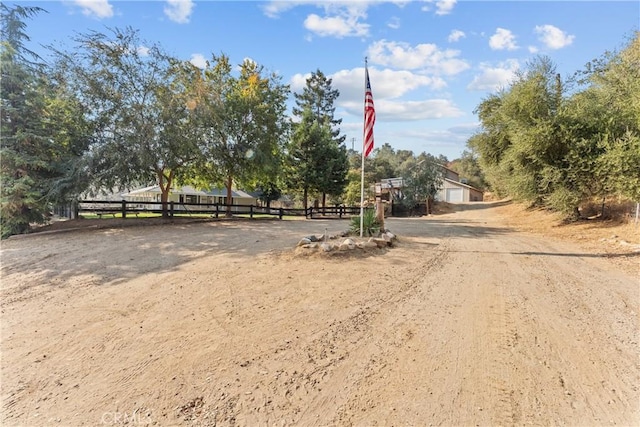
x=304, y=241
x=380, y=242
x=347, y=244
x=326, y=247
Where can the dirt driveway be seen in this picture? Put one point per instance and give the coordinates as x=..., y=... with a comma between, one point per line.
x=466, y=322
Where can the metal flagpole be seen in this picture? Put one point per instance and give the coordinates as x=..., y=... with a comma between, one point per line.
x=364, y=127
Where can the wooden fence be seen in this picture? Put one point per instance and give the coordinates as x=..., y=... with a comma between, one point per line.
x=127, y=208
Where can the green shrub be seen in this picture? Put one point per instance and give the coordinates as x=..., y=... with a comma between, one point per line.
x=370, y=225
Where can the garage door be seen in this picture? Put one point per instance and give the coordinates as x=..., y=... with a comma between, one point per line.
x=454, y=195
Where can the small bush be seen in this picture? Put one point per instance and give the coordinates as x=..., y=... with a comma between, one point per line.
x=370, y=225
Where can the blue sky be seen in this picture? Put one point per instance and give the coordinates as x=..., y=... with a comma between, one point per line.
x=430, y=62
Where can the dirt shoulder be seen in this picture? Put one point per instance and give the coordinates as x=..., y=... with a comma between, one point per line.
x=466, y=321
x=619, y=240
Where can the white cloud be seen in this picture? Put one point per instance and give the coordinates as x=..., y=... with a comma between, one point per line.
x=444, y=7
x=179, y=11
x=143, y=51
x=275, y=8
x=493, y=78
x=427, y=57
x=198, y=60
x=386, y=83
x=417, y=110
x=533, y=49
x=98, y=8
x=394, y=22
x=503, y=39
x=430, y=138
x=456, y=35
x=405, y=111
x=553, y=37
x=336, y=26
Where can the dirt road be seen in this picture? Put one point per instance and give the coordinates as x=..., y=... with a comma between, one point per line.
x=464, y=323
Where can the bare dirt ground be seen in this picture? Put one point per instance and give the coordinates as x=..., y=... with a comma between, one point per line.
x=469, y=320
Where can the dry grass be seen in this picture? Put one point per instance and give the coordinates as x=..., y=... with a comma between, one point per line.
x=618, y=238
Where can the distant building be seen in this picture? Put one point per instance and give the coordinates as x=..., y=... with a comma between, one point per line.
x=455, y=191
x=189, y=195
x=389, y=189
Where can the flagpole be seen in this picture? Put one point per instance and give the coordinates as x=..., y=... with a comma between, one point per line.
x=363, y=148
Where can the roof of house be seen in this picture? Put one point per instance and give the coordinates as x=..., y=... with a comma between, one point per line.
x=458, y=183
x=190, y=191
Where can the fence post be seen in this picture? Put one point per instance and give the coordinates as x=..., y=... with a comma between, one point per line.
x=124, y=209
x=280, y=213
x=171, y=209
x=217, y=206
x=251, y=211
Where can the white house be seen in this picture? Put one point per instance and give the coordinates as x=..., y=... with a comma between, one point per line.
x=187, y=195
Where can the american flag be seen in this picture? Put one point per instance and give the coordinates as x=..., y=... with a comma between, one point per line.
x=369, y=114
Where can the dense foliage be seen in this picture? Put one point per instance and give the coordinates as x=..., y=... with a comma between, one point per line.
x=243, y=126
x=141, y=127
x=561, y=143
x=43, y=134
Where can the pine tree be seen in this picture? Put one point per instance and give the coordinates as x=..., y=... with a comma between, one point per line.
x=43, y=135
x=317, y=99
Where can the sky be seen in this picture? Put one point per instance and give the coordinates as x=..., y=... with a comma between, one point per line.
x=430, y=62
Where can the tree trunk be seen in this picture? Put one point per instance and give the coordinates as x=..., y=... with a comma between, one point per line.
x=229, y=196
x=165, y=187
x=304, y=198
x=324, y=200
x=602, y=209
x=164, y=199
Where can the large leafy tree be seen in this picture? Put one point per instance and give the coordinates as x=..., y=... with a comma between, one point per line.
x=539, y=145
x=615, y=83
x=243, y=125
x=521, y=144
x=317, y=99
x=43, y=135
x=136, y=101
x=423, y=179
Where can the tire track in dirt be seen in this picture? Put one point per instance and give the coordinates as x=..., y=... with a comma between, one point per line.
x=337, y=359
x=577, y=341
x=464, y=323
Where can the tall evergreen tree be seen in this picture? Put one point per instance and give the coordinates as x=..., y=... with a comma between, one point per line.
x=307, y=149
x=317, y=99
x=42, y=133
